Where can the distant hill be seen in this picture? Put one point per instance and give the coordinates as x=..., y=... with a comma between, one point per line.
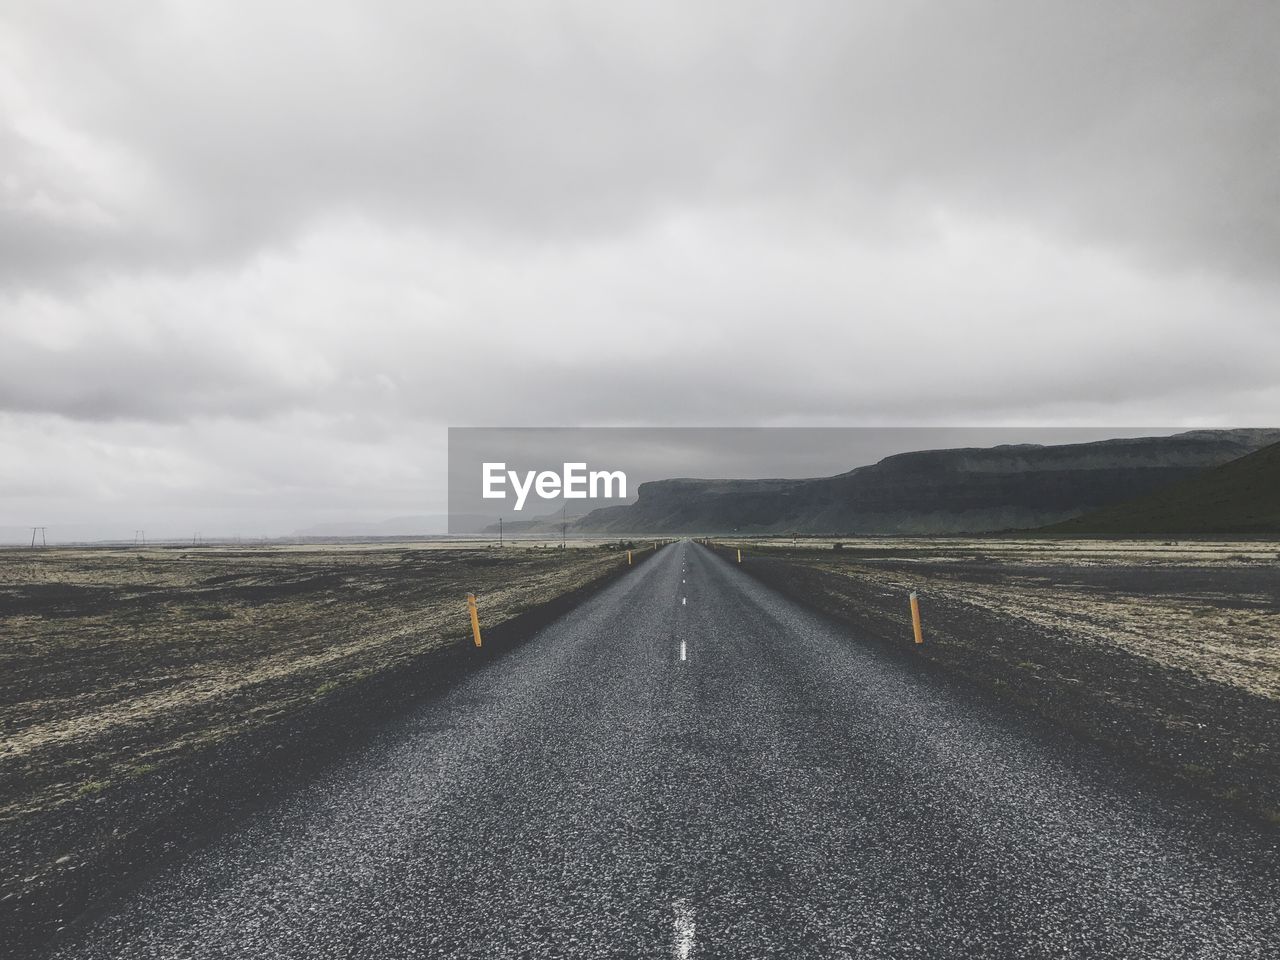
x=1240, y=497
x=967, y=490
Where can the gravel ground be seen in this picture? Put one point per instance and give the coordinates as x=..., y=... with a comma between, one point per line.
x=689, y=764
x=147, y=695
x=1166, y=654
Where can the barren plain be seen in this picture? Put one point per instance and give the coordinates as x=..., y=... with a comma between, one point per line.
x=1167, y=652
x=145, y=692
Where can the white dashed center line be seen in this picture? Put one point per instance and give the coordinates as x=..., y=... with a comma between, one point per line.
x=682, y=942
x=683, y=654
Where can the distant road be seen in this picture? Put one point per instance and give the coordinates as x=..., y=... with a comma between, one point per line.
x=777, y=789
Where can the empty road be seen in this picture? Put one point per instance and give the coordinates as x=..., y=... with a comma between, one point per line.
x=688, y=765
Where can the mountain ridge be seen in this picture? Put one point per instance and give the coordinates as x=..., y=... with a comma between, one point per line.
x=956, y=490
x=1240, y=497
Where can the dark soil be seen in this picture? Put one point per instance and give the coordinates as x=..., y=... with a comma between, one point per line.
x=91, y=808
x=1214, y=737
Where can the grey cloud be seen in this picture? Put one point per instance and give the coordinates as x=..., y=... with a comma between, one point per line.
x=1152, y=125
x=703, y=327
x=270, y=251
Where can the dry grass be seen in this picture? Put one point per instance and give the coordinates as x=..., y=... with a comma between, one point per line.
x=1213, y=608
x=114, y=661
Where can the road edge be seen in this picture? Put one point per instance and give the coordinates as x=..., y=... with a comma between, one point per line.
x=1189, y=762
x=234, y=778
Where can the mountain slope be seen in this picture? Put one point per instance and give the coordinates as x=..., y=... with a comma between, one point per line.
x=967, y=490
x=1240, y=497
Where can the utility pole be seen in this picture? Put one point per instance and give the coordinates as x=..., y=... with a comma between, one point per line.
x=44, y=541
x=564, y=523
x=499, y=531
x=139, y=538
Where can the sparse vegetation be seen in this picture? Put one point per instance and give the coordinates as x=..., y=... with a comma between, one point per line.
x=1167, y=653
x=204, y=663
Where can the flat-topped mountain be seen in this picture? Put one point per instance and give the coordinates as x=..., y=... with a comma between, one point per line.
x=963, y=490
x=1240, y=497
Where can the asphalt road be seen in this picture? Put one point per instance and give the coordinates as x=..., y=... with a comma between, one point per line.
x=727, y=776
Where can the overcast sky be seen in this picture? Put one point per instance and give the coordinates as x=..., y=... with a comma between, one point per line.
x=255, y=257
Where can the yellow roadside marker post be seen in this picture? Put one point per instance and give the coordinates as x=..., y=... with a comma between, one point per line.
x=915, y=618
x=739, y=556
x=628, y=558
x=475, y=618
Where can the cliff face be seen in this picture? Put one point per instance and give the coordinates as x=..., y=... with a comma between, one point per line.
x=967, y=490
